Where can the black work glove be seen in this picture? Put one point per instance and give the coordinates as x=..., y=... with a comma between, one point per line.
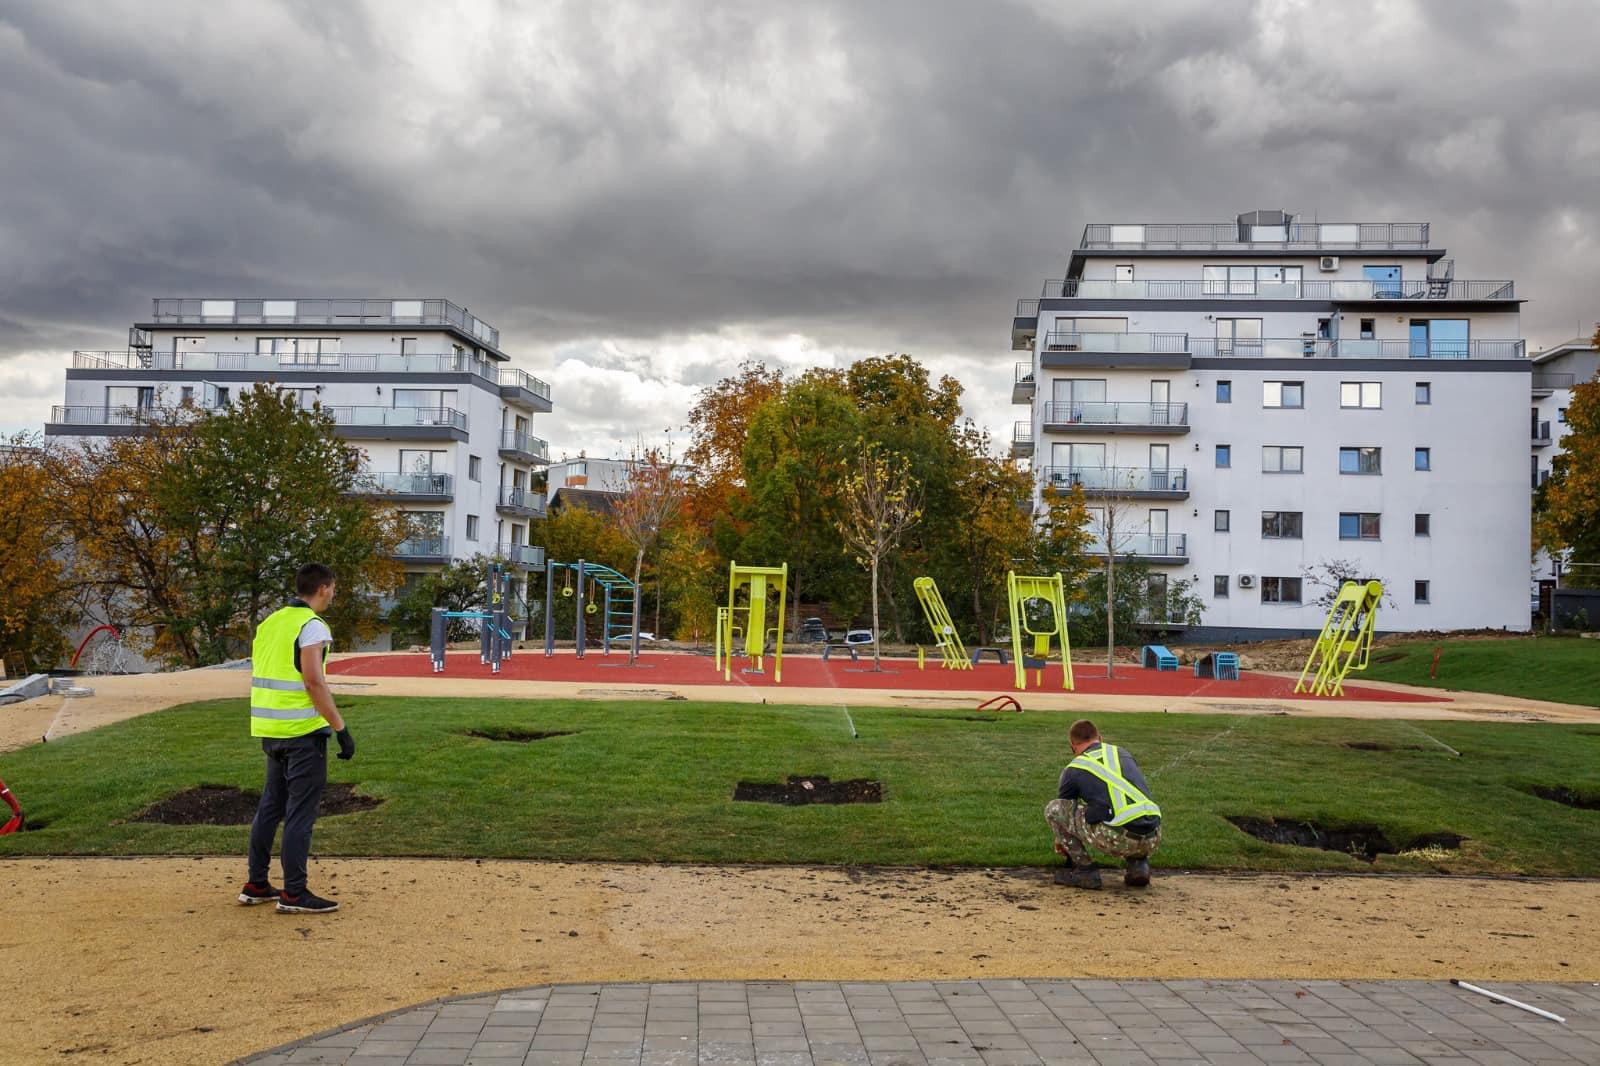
x=347, y=743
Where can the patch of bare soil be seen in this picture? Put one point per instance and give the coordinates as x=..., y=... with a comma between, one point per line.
x=519, y=736
x=1583, y=799
x=799, y=791
x=226, y=805
x=1361, y=841
x=1373, y=745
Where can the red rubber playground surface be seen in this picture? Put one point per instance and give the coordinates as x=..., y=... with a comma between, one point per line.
x=668, y=668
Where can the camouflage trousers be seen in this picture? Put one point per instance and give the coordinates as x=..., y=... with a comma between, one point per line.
x=1076, y=836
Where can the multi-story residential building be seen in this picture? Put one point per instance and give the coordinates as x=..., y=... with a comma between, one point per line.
x=600, y=475
x=1264, y=397
x=421, y=386
x=1555, y=371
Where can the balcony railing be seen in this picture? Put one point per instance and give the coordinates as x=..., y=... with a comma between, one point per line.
x=1541, y=434
x=522, y=555
x=335, y=313
x=423, y=547
x=1027, y=308
x=525, y=444
x=521, y=379
x=1174, y=343
x=115, y=415
x=515, y=499
x=1230, y=236
x=1168, y=545
x=1064, y=412
x=1343, y=290
x=1323, y=348
x=389, y=484
x=1024, y=375
x=1022, y=433
x=263, y=363
x=1113, y=480
x=397, y=417
x=1550, y=380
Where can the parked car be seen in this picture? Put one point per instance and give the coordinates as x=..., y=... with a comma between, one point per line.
x=812, y=631
x=858, y=636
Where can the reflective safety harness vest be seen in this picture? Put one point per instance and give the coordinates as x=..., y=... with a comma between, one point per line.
x=1127, y=802
x=279, y=704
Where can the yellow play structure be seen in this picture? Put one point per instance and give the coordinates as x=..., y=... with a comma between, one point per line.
x=757, y=583
x=1050, y=592
x=945, y=637
x=1346, y=640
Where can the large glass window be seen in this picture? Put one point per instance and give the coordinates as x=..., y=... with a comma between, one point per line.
x=1282, y=459
x=1270, y=282
x=300, y=351
x=1239, y=336
x=1360, y=460
x=1440, y=338
x=1353, y=526
x=136, y=397
x=1283, y=394
x=430, y=399
x=1360, y=394
x=1280, y=590
x=1385, y=280
x=1282, y=525
x=422, y=461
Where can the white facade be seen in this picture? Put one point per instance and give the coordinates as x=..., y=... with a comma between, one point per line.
x=1262, y=397
x=420, y=386
x=1555, y=371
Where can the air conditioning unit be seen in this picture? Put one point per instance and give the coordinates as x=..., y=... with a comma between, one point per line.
x=1328, y=263
x=1246, y=581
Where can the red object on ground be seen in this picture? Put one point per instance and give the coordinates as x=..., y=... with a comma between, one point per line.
x=676, y=668
x=1433, y=670
x=87, y=637
x=1001, y=703
x=15, y=824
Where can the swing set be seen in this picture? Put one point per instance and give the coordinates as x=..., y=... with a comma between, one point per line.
x=598, y=590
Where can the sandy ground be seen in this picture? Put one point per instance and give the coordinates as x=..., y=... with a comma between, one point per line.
x=151, y=961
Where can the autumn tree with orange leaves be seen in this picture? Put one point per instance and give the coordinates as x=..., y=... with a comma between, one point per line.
x=35, y=601
x=1567, y=507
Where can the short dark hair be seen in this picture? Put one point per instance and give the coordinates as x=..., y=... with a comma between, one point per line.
x=1083, y=730
x=311, y=577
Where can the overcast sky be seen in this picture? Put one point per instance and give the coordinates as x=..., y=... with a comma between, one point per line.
x=640, y=195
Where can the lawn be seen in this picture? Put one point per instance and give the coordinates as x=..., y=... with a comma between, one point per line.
x=654, y=781
x=1562, y=669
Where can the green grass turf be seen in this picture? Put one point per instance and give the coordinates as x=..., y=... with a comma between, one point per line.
x=654, y=781
x=1563, y=669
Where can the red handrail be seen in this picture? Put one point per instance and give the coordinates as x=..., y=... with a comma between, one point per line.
x=90, y=636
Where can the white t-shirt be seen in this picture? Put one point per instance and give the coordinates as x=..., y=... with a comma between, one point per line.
x=315, y=631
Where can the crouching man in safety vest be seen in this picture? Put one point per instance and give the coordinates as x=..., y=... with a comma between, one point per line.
x=292, y=711
x=1103, y=802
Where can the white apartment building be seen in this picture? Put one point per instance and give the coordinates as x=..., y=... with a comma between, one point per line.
x=1265, y=396
x=421, y=386
x=1555, y=371
x=599, y=475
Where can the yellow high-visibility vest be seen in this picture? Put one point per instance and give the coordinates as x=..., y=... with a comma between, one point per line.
x=1127, y=802
x=280, y=706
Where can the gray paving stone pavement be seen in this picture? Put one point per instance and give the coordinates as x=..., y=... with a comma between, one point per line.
x=975, y=1023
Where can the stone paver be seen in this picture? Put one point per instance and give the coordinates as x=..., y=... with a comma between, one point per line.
x=975, y=1023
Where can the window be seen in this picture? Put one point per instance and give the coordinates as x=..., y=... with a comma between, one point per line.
x=1280, y=590
x=1219, y=586
x=224, y=396
x=297, y=351
x=1360, y=460
x=1360, y=394
x=472, y=527
x=1369, y=328
x=430, y=399
x=1324, y=329
x=1224, y=392
x=137, y=397
x=408, y=346
x=1282, y=459
x=1419, y=591
x=1424, y=392
x=1283, y=394
x=1269, y=281
x=1421, y=525
x=1385, y=279
x=1424, y=459
x=187, y=396
x=418, y=461
x=474, y=468
x=1071, y=399
x=1561, y=415
x=1439, y=338
x=1124, y=272
x=1354, y=526
x=1221, y=521
x=1224, y=455
x=1238, y=336
x=1281, y=525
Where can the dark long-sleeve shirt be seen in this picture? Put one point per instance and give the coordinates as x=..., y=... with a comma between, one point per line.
x=1082, y=785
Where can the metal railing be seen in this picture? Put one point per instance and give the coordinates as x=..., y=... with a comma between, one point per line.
x=524, y=444
x=1065, y=412
x=266, y=363
x=1541, y=433
x=1144, y=544
x=440, y=485
x=423, y=547
x=442, y=417
x=522, y=499
x=1027, y=308
x=260, y=312
x=1550, y=379
x=1022, y=433
x=108, y=415
x=1324, y=348
x=1024, y=374
x=1347, y=289
x=1206, y=236
x=521, y=379
x=1116, y=479
x=521, y=555
x=1175, y=343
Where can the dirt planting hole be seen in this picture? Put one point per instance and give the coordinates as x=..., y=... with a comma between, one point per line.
x=1373, y=745
x=1583, y=799
x=1364, y=842
x=799, y=791
x=226, y=805
x=519, y=736
x=1389, y=657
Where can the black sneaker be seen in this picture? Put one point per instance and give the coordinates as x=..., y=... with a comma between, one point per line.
x=1078, y=877
x=1136, y=874
x=305, y=903
x=252, y=893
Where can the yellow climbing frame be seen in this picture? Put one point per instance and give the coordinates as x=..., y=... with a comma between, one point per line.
x=945, y=637
x=1050, y=592
x=758, y=583
x=1346, y=640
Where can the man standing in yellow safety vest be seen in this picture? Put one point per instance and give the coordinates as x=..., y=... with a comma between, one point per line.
x=292, y=711
x=1103, y=800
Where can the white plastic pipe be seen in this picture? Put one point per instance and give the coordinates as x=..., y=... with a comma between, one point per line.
x=1508, y=999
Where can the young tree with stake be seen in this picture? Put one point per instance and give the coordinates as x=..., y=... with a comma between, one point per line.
x=881, y=502
x=642, y=513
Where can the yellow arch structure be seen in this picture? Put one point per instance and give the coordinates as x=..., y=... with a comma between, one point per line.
x=1051, y=592
x=945, y=637
x=758, y=583
x=1345, y=643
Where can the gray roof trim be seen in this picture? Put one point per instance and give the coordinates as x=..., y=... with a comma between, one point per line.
x=272, y=329
x=1431, y=366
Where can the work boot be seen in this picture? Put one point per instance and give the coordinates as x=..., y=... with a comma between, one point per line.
x=1137, y=873
x=1078, y=877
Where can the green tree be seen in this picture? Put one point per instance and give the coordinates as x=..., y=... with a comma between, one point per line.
x=691, y=583
x=457, y=587
x=988, y=531
x=880, y=503
x=1567, y=505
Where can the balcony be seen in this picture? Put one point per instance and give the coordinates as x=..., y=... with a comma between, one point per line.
x=1131, y=482
x=1546, y=382
x=1324, y=348
x=523, y=389
x=1171, y=549
x=424, y=549
x=1022, y=384
x=1345, y=290
x=523, y=502
x=1234, y=236
x=1021, y=440
x=523, y=447
x=1063, y=416
x=408, y=488
x=399, y=423
x=334, y=313
x=1024, y=324
x=286, y=365
x=522, y=556
x=1165, y=343
x=1541, y=434
x=102, y=420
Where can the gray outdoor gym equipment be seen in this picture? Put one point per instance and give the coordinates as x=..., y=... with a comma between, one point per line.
x=615, y=608
x=494, y=624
